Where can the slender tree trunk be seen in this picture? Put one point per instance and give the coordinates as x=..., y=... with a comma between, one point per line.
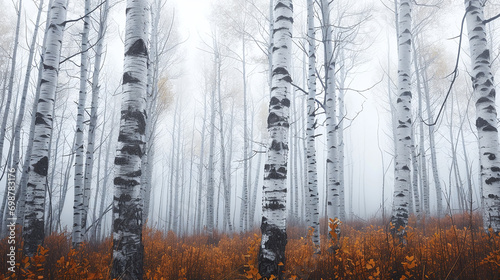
x=211, y=153
x=402, y=174
x=22, y=105
x=191, y=164
x=177, y=203
x=255, y=189
x=486, y=115
x=330, y=113
x=66, y=177
x=172, y=187
x=423, y=159
x=200, y=169
x=6, y=113
x=312, y=174
x=97, y=187
x=94, y=106
x=128, y=250
x=227, y=184
x=432, y=146
x=246, y=140
x=33, y=234
x=272, y=250
x=105, y=181
x=79, y=207
x=413, y=192
x=340, y=132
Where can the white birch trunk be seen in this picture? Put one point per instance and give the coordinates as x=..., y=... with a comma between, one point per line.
x=211, y=180
x=22, y=105
x=12, y=73
x=330, y=113
x=312, y=174
x=177, y=183
x=227, y=172
x=94, y=106
x=33, y=232
x=246, y=156
x=105, y=182
x=200, y=169
x=432, y=146
x=340, y=136
x=128, y=250
x=254, y=194
x=171, y=202
x=486, y=115
x=402, y=176
x=423, y=159
x=272, y=250
x=79, y=209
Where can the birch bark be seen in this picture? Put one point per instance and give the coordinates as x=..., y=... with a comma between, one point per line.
x=402, y=174
x=312, y=174
x=94, y=106
x=33, y=232
x=486, y=115
x=128, y=250
x=79, y=209
x=331, y=114
x=271, y=255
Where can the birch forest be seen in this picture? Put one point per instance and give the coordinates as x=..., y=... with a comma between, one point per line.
x=249, y=139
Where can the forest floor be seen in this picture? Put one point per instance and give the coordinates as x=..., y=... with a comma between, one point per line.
x=448, y=248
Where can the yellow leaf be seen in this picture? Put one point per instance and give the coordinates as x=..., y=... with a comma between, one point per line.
x=370, y=264
x=410, y=259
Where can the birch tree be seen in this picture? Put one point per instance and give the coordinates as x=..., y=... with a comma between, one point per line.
x=486, y=115
x=12, y=73
x=128, y=251
x=330, y=113
x=94, y=106
x=312, y=174
x=33, y=231
x=271, y=255
x=79, y=204
x=402, y=178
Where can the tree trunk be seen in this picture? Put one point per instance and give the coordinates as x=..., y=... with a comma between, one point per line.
x=211, y=171
x=246, y=156
x=423, y=159
x=402, y=174
x=486, y=115
x=128, y=250
x=94, y=106
x=312, y=174
x=200, y=169
x=330, y=113
x=22, y=106
x=79, y=207
x=272, y=250
x=33, y=231
x=3, y=129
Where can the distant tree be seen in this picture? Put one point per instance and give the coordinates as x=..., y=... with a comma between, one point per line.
x=271, y=257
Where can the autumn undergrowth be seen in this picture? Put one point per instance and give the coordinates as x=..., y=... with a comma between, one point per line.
x=453, y=247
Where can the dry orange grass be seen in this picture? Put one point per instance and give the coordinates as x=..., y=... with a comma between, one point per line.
x=449, y=248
